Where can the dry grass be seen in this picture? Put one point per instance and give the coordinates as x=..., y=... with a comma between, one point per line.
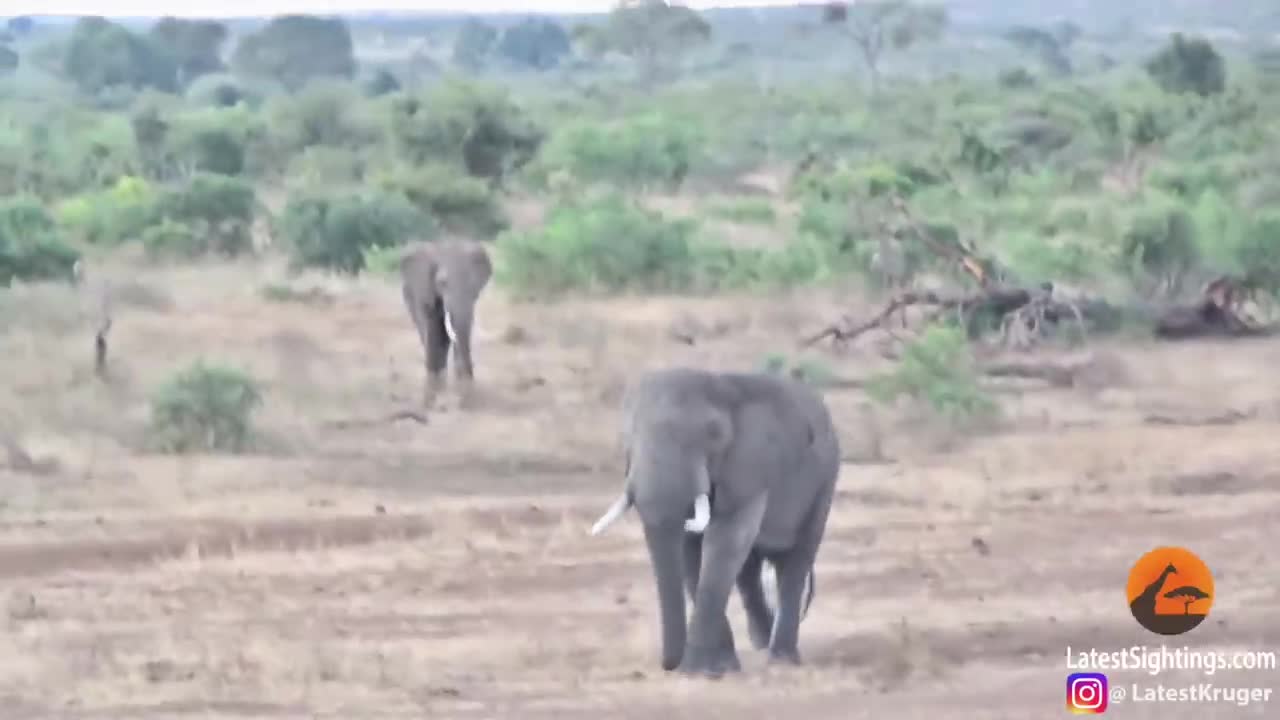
x=443, y=570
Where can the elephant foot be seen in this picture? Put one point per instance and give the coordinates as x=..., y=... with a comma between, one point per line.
x=791, y=657
x=709, y=662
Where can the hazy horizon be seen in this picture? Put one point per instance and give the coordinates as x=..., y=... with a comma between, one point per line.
x=240, y=8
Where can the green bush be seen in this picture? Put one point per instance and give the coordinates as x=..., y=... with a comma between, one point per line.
x=112, y=216
x=646, y=151
x=204, y=408
x=172, y=239
x=937, y=370
x=218, y=210
x=1159, y=245
x=30, y=248
x=458, y=202
x=603, y=244
x=333, y=230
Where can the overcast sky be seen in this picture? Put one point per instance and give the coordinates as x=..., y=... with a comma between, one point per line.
x=231, y=8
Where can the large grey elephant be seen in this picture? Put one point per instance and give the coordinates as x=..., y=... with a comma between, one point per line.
x=726, y=471
x=441, y=282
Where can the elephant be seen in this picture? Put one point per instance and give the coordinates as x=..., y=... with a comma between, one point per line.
x=441, y=282
x=727, y=470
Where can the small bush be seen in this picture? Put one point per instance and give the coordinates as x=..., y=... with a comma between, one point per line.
x=608, y=244
x=172, y=239
x=1160, y=244
x=937, y=370
x=30, y=248
x=333, y=231
x=217, y=212
x=204, y=408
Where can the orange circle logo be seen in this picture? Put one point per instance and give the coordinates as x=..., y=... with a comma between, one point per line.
x=1170, y=590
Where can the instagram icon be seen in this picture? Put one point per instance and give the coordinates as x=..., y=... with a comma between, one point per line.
x=1087, y=693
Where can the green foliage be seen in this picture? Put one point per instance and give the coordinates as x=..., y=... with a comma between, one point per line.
x=876, y=25
x=638, y=152
x=746, y=210
x=204, y=408
x=216, y=90
x=937, y=370
x=608, y=244
x=1188, y=65
x=333, y=230
x=381, y=82
x=473, y=43
x=653, y=33
x=102, y=55
x=477, y=127
x=537, y=43
x=111, y=216
x=808, y=371
x=30, y=247
x=217, y=211
x=194, y=45
x=294, y=49
x=1160, y=243
x=459, y=203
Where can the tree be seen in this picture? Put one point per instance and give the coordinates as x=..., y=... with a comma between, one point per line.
x=1188, y=65
x=535, y=42
x=1188, y=594
x=101, y=54
x=873, y=24
x=654, y=33
x=472, y=45
x=1049, y=47
x=195, y=45
x=294, y=49
x=8, y=60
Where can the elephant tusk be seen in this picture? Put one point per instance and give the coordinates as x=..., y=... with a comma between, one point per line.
x=611, y=515
x=448, y=327
x=701, y=514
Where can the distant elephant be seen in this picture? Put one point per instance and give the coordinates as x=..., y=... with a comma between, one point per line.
x=441, y=282
x=756, y=457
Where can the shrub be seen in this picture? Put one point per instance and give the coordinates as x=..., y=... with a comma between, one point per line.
x=333, y=230
x=459, y=202
x=30, y=248
x=937, y=370
x=604, y=244
x=1160, y=243
x=112, y=216
x=204, y=408
x=646, y=151
x=218, y=210
x=171, y=238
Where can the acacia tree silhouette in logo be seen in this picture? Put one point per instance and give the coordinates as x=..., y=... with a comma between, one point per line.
x=1188, y=594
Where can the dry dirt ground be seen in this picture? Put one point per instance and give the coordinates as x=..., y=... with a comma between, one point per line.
x=444, y=570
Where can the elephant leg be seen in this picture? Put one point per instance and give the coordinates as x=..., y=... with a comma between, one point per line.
x=726, y=543
x=794, y=569
x=459, y=320
x=750, y=587
x=437, y=348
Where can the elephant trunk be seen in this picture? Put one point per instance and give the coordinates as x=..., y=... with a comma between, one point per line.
x=667, y=557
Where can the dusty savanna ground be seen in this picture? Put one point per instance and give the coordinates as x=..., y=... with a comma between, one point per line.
x=444, y=570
